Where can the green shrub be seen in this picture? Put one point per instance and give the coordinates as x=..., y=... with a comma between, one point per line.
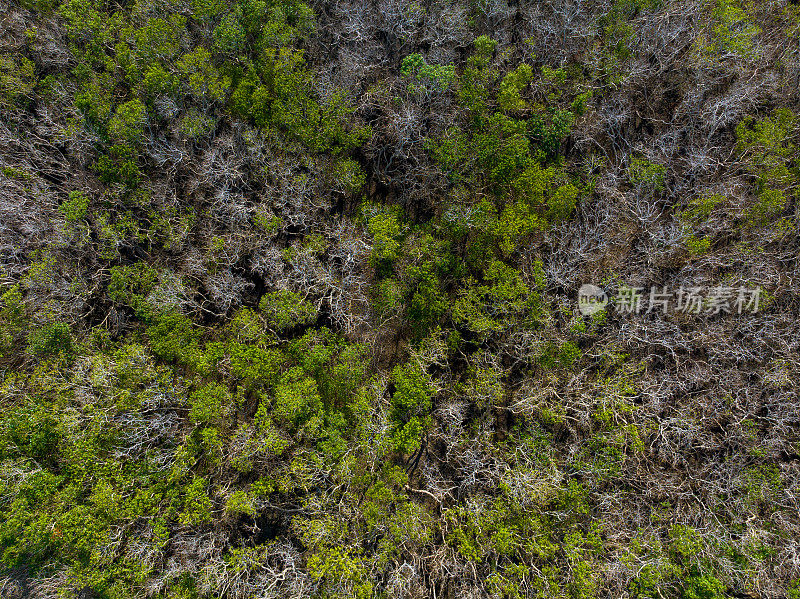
x=229, y=35
x=174, y=338
x=128, y=122
x=495, y=305
x=647, y=175
x=201, y=77
x=413, y=393
x=503, y=150
x=119, y=164
x=428, y=301
x=424, y=78
x=255, y=366
x=157, y=81
x=766, y=146
x=75, y=207
x=207, y=403
x=195, y=125
x=240, y=503
x=17, y=81
x=297, y=403
x=13, y=321
x=698, y=246
x=284, y=309
x=196, y=504
x=732, y=32
x=475, y=86
x=561, y=203
x=54, y=339
x=348, y=176
x=387, y=234
x=130, y=285
x=510, y=98
x=94, y=101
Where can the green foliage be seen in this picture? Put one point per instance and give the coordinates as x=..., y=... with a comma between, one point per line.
x=13, y=321
x=201, y=77
x=503, y=150
x=732, y=32
x=278, y=23
x=484, y=47
x=338, y=567
x=428, y=301
x=647, y=175
x=230, y=36
x=549, y=129
x=53, y=339
x=618, y=31
x=348, y=176
x=700, y=208
x=240, y=503
x=284, y=309
x=207, y=403
x=279, y=93
x=694, y=217
x=767, y=146
x=17, y=81
x=561, y=203
x=499, y=302
x=128, y=121
x=158, y=82
x=297, y=403
x=411, y=401
x=475, y=85
x=450, y=151
x=580, y=103
x=698, y=246
x=207, y=9
x=388, y=298
x=119, y=164
x=130, y=285
x=174, y=338
x=510, y=98
x=387, y=234
x=195, y=125
x=196, y=504
x=564, y=355
x=94, y=101
x=426, y=79
x=255, y=366
x=75, y=207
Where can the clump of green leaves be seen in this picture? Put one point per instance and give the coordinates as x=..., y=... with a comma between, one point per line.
x=647, y=175
x=54, y=339
x=387, y=234
x=411, y=402
x=767, y=145
x=731, y=32
x=128, y=122
x=207, y=403
x=75, y=206
x=284, y=309
x=17, y=81
x=509, y=97
x=426, y=79
x=130, y=285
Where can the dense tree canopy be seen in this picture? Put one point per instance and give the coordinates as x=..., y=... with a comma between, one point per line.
x=289, y=299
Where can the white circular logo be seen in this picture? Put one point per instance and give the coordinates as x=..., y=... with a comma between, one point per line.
x=591, y=299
